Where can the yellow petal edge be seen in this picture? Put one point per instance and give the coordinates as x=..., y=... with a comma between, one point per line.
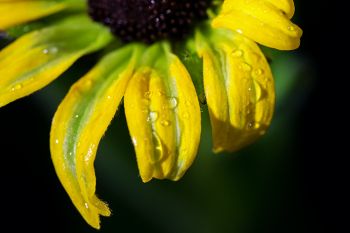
x=17, y=12
x=264, y=21
x=239, y=89
x=37, y=58
x=163, y=117
x=79, y=124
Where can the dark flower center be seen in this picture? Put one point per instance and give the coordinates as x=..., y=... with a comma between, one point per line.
x=149, y=20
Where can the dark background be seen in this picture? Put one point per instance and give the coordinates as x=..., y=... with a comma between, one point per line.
x=283, y=183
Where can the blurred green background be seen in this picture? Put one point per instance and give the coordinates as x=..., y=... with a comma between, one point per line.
x=271, y=186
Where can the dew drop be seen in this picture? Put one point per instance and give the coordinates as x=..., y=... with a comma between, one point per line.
x=262, y=132
x=173, y=102
x=16, y=87
x=291, y=28
x=147, y=95
x=165, y=123
x=57, y=141
x=87, y=84
x=86, y=205
x=153, y=117
x=134, y=141
x=237, y=53
x=158, y=148
x=257, y=73
x=76, y=116
x=258, y=91
x=245, y=66
x=250, y=124
x=51, y=50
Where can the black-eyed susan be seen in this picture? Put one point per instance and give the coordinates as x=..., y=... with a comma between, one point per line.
x=159, y=55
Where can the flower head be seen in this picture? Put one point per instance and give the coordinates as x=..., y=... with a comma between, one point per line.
x=160, y=55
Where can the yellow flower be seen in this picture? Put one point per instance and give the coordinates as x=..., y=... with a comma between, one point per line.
x=163, y=55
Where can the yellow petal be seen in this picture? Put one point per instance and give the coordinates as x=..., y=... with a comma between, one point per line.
x=239, y=89
x=37, y=58
x=16, y=12
x=264, y=21
x=163, y=117
x=80, y=122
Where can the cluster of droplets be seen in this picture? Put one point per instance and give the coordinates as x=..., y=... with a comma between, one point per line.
x=149, y=20
x=256, y=91
x=154, y=116
x=45, y=52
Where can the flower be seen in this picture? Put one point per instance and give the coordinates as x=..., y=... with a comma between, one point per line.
x=159, y=64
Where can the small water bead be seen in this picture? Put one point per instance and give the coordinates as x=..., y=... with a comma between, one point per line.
x=173, y=102
x=250, y=124
x=158, y=148
x=291, y=28
x=237, y=53
x=153, y=116
x=57, y=141
x=258, y=91
x=245, y=66
x=16, y=87
x=51, y=50
x=186, y=115
x=134, y=141
x=262, y=132
x=165, y=123
x=147, y=95
x=256, y=73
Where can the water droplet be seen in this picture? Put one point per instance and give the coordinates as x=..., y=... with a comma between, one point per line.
x=173, y=102
x=57, y=141
x=147, y=94
x=86, y=205
x=51, y=50
x=153, y=117
x=262, y=132
x=291, y=28
x=88, y=83
x=237, y=53
x=160, y=93
x=134, y=141
x=109, y=97
x=165, y=123
x=258, y=91
x=250, y=124
x=158, y=148
x=245, y=66
x=76, y=116
x=257, y=72
x=240, y=31
x=16, y=87
x=70, y=153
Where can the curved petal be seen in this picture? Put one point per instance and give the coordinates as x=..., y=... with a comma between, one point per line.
x=80, y=122
x=163, y=116
x=37, y=58
x=264, y=21
x=239, y=89
x=16, y=12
